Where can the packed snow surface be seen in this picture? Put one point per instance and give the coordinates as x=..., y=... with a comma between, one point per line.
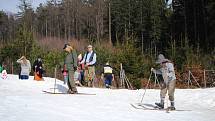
x=24, y=100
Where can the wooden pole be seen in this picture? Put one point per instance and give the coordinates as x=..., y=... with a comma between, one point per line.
x=204, y=79
x=12, y=68
x=55, y=76
x=121, y=75
x=189, y=81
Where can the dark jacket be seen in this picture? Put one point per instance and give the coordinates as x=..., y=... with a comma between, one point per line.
x=38, y=67
x=71, y=61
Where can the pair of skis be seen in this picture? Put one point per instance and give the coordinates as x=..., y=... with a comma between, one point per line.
x=142, y=106
x=64, y=93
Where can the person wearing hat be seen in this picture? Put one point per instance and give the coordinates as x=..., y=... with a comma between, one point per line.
x=89, y=61
x=71, y=66
x=107, y=75
x=169, y=81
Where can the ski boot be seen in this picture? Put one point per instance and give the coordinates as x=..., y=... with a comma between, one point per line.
x=172, y=107
x=107, y=86
x=72, y=92
x=159, y=105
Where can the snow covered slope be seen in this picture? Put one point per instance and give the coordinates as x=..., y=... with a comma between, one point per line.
x=23, y=100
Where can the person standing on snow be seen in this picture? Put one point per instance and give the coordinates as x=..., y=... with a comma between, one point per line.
x=168, y=74
x=89, y=62
x=1, y=68
x=81, y=69
x=38, y=69
x=71, y=66
x=108, y=75
x=25, y=67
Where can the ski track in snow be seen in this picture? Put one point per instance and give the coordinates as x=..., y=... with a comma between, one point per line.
x=23, y=100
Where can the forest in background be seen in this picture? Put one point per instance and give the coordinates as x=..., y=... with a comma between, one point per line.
x=131, y=32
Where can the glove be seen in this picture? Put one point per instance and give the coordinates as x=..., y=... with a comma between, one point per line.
x=152, y=69
x=75, y=68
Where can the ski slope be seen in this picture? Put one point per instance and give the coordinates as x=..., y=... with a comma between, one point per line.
x=23, y=100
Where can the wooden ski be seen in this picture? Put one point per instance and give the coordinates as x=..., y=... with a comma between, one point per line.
x=49, y=92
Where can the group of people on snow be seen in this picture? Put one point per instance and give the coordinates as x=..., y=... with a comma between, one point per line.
x=26, y=68
x=86, y=67
x=81, y=71
x=78, y=70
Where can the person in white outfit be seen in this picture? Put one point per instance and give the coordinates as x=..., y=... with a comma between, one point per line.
x=25, y=67
x=169, y=80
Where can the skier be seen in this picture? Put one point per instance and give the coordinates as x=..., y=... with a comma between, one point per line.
x=25, y=67
x=168, y=74
x=38, y=69
x=71, y=66
x=108, y=75
x=1, y=68
x=89, y=61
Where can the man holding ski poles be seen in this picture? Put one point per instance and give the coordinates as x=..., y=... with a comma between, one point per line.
x=71, y=66
x=168, y=74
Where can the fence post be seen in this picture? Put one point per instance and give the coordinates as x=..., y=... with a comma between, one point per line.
x=189, y=79
x=12, y=67
x=122, y=76
x=55, y=76
x=205, y=79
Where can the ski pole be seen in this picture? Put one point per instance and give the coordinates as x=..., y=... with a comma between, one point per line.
x=146, y=87
x=55, y=78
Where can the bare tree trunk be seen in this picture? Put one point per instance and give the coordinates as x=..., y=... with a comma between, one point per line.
x=58, y=29
x=205, y=21
x=142, y=48
x=69, y=31
x=185, y=20
x=76, y=20
x=46, y=28
x=129, y=19
x=88, y=27
x=65, y=29
x=109, y=11
x=102, y=19
x=97, y=28
x=195, y=23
